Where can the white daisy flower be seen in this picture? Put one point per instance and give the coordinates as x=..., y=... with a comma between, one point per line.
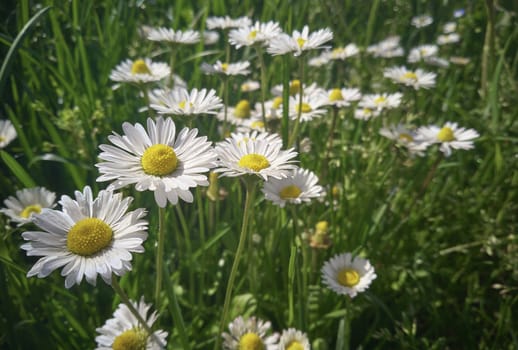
x=210, y=37
x=416, y=79
x=173, y=36
x=344, y=274
x=366, y=113
x=241, y=138
x=292, y=339
x=140, y=71
x=241, y=156
x=422, y=53
x=387, y=48
x=276, y=90
x=250, y=335
x=343, y=97
x=237, y=68
x=182, y=102
x=255, y=122
x=89, y=237
x=28, y=202
x=421, y=21
x=227, y=22
x=381, y=101
x=7, y=133
x=259, y=33
x=271, y=108
x=299, y=42
x=342, y=53
x=157, y=159
x=311, y=107
x=124, y=331
x=300, y=186
x=449, y=27
x=448, y=39
x=450, y=136
x=236, y=114
x=250, y=85
x=405, y=137
x=320, y=60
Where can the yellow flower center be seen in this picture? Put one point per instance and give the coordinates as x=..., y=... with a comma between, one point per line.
x=338, y=50
x=159, y=160
x=446, y=135
x=405, y=137
x=2, y=139
x=367, y=111
x=251, y=341
x=290, y=192
x=277, y=102
x=380, y=99
x=305, y=108
x=224, y=67
x=252, y=35
x=410, y=76
x=254, y=161
x=257, y=125
x=242, y=110
x=294, y=87
x=294, y=345
x=140, y=67
x=322, y=226
x=89, y=236
x=28, y=210
x=301, y=42
x=348, y=277
x=132, y=339
x=335, y=95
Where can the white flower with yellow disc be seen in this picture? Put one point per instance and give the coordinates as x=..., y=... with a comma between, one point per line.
x=28, y=202
x=300, y=186
x=140, y=71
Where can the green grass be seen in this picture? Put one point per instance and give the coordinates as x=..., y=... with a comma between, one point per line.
x=445, y=253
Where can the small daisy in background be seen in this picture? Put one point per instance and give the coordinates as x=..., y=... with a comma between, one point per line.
x=257, y=34
x=250, y=85
x=299, y=42
x=293, y=339
x=87, y=237
x=421, y=21
x=210, y=37
x=342, y=53
x=422, y=53
x=240, y=155
x=227, y=22
x=347, y=275
x=342, y=97
x=250, y=334
x=312, y=105
x=405, y=137
x=366, y=113
x=381, y=101
x=169, y=35
x=125, y=332
x=140, y=71
x=387, y=48
x=180, y=101
x=450, y=136
x=28, y=202
x=7, y=133
x=237, y=68
x=236, y=114
x=446, y=39
x=300, y=186
x=157, y=159
x=417, y=79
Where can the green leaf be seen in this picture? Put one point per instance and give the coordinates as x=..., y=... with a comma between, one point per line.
x=17, y=170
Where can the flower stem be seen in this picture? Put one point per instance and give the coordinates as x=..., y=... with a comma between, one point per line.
x=159, y=255
x=294, y=134
x=250, y=189
x=263, y=84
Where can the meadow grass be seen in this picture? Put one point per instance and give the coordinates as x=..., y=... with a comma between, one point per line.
x=439, y=231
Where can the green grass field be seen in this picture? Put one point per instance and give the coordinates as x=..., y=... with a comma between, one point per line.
x=440, y=231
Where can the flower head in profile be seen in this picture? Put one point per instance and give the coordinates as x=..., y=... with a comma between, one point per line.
x=387, y=48
x=342, y=97
x=450, y=38
x=173, y=36
x=421, y=21
x=258, y=34
x=300, y=186
x=422, y=53
x=250, y=85
x=210, y=37
x=237, y=68
x=7, y=133
x=366, y=113
x=180, y=101
x=342, y=53
x=312, y=105
x=299, y=42
x=140, y=71
x=87, y=237
x=347, y=275
x=250, y=334
x=450, y=136
x=28, y=202
x=293, y=339
x=157, y=159
x=416, y=79
x=124, y=331
x=227, y=22
x=240, y=155
x=382, y=101
x=405, y=137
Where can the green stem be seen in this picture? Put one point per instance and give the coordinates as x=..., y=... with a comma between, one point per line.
x=159, y=255
x=188, y=248
x=225, y=96
x=264, y=84
x=347, y=324
x=171, y=65
x=124, y=297
x=291, y=267
x=293, y=136
x=250, y=189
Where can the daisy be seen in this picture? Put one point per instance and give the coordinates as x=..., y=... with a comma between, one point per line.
x=311, y=106
x=271, y=110
x=255, y=122
x=381, y=101
x=124, y=331
x=89, y=237
x=387, y=48
x=404, y=137
x=300, y=186
x=28, y=202
x=292, y=339
x=250, y=335
x=342, y=53
x=344, y=274
x=294, y=88
x=157, y=159
x=343, y=97
x=140, y=71
x=416, y=79
x=450, y=38
x=421, y=21
x=227, y=22
x=243, y=137
x=173, y=36
x=254, y=157
x=238, y=68
x=319, y=61
x=366, y=113
x=250, y=85
x=449, y=136
x=449, y=27
x=259, y=33
x=210, y=37
x=235, y=115
x=182, y=102
x=7, y=133
x=422, y=53
x=299, y=41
